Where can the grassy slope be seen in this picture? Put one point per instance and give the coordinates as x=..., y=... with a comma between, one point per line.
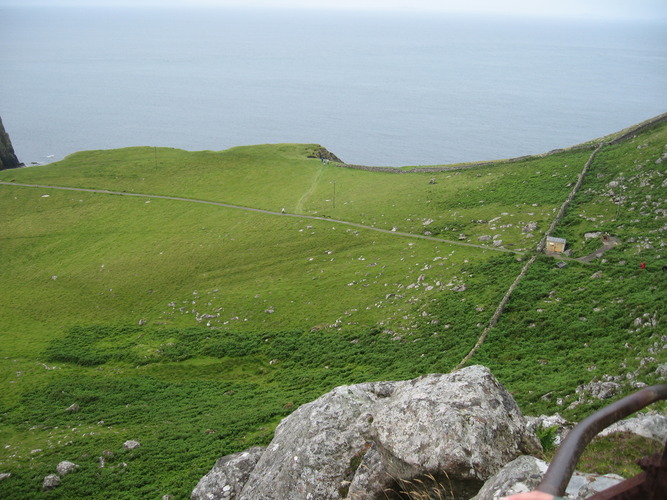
x=303, y=305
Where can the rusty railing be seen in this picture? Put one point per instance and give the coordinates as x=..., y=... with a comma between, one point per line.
x=560, y=470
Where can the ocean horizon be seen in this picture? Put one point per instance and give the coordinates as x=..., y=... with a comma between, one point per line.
x=380, y=89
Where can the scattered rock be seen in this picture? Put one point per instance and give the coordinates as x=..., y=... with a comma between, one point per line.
x=595, y=390
x=529, y=228
x=651, y=426
x=596, y=275
x=548, y=421
x=51, y=481
x=131, y=445
x=5, y=475
x=65, y=467
x=484, y=237
x=73, y=408
x=460, y=288
x=525, y=473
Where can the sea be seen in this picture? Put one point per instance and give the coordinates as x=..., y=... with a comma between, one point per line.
x=375, y=88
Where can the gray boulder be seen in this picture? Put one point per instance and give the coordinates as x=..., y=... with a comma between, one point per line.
x=525, y=473
x=521, y=475
x=465, y=423
x=65, y=467
x=312, y=447
x=51, y=481
x=363, y=440
x=228, y=476
x=650, y=425
x=131, y=444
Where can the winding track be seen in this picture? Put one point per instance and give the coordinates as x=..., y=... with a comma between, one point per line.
x=262, y=211
x=310, y=190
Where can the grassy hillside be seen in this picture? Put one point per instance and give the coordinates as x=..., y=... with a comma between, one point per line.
x=195, y=327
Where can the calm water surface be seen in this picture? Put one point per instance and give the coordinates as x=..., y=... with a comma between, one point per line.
x=384, y=89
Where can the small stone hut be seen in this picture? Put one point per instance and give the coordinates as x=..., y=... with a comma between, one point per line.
x=556, y=245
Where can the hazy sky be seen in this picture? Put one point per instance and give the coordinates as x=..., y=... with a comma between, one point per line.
x=645, y=9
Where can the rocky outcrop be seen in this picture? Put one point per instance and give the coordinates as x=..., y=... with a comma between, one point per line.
x=449, y=432
x=8, y=158
x=525, y=473
x=459, y=435
x=228, y=476
x=650, y=425
x=325, y=154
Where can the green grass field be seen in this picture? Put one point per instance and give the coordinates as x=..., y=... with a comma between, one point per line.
x=194, y=327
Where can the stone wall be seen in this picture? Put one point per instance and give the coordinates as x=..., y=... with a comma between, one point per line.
x=639, y=128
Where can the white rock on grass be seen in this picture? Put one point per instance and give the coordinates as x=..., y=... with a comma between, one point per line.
x=66, y=467
x=131, y=445
x=51, y=481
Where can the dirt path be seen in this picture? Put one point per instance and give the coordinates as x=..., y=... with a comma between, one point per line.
x=262, y=211
x=606, y=245
x=309, y=191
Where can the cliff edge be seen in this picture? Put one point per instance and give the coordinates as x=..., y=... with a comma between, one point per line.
x=8, y=158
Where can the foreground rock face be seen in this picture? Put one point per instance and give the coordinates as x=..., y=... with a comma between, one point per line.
x=8, y=158
x=227, y=478
x=370, y=440
x=525, y=473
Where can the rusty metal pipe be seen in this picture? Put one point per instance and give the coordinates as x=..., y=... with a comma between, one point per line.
x=560, y=470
